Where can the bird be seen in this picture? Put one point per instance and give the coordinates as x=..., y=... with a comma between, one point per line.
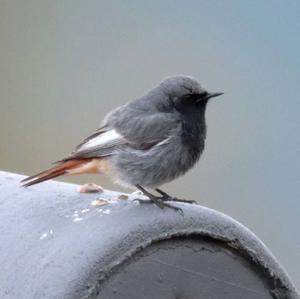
x=146, y=142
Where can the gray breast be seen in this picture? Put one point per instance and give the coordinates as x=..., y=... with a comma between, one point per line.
x=158, y=165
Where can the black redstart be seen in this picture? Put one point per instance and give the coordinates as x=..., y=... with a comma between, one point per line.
x=145, y=143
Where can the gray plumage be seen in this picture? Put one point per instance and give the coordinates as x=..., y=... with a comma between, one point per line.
x=155, y=138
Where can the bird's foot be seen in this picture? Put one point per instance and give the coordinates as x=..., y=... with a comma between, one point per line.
x=166, y=197
x=160, y=203
x=157, y=200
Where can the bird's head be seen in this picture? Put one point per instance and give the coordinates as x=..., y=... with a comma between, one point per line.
x=186, y=93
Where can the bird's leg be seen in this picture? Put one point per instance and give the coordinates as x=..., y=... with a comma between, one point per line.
x=167, y=197
x=153, y=198
x=156, y=200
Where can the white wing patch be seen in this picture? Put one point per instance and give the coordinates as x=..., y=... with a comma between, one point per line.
x=105, y=139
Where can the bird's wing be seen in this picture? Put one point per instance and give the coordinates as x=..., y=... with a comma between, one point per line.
x=102, y=143
x=143, y=128
x=139, y=131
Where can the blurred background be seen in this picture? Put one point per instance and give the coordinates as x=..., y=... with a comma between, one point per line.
x=65, y=64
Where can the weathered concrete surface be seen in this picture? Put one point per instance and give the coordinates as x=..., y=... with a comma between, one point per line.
x=55, y=244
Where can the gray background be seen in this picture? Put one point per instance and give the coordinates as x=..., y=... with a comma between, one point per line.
x=65, y=64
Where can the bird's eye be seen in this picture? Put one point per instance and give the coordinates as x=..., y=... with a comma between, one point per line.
x=191, y=96
x=204, y=94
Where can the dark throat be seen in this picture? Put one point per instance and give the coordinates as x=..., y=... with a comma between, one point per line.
x=194, y=129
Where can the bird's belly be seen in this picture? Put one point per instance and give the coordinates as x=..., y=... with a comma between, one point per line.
x=153, y=167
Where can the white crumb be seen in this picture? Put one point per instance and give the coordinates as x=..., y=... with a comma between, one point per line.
x=84, y=211
x=106, y=212
x=77, y=219
x=43, y=236
x=99, y=202
x=136, y=193
x=75, y=215
x=90, y=188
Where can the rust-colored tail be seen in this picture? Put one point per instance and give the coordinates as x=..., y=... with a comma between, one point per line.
x=60, y=169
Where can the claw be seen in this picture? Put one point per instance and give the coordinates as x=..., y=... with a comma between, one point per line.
x=167, y=197
x=160, y=201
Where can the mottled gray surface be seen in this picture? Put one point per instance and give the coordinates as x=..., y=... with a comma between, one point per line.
x=188, y=269
x=55, y=244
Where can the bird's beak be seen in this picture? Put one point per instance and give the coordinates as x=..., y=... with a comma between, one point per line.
x=213, y=94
